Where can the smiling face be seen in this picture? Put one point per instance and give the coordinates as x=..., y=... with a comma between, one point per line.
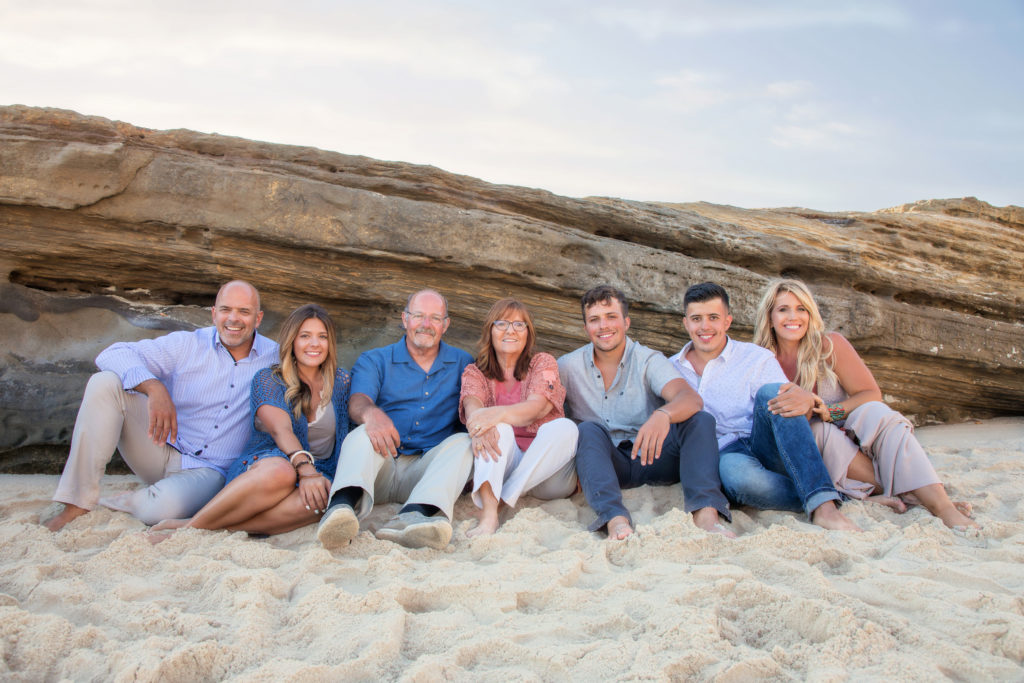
x=509, y=342
x=606, y=326
x=789, y=318
x=707, y=323
x=311, y=344
x=425, y=322
x=236, y=315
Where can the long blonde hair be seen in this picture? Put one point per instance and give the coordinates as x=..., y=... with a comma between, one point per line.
x=814, y=359
x=297, y=393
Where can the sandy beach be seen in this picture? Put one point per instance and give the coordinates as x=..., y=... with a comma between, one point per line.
x=542, y=599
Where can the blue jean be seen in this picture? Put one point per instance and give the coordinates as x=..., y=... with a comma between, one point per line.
x=778, y=467
x=689, y=455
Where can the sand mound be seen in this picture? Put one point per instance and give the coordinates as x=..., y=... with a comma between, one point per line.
x=541, y=600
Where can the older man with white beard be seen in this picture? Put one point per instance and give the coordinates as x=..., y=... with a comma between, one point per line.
x=409, y=448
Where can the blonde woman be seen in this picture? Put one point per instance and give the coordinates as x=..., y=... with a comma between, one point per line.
x=300, y=415
x=848, y=412
x=511, y=403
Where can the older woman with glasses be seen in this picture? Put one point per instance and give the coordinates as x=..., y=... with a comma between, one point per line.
x=511, y=404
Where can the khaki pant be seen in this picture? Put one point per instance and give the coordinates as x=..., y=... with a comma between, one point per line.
x=110, y=418
x=435, y=478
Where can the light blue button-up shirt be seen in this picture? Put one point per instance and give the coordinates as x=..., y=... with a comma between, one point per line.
x=634, y=394
x=729, y=384
x=210, y=389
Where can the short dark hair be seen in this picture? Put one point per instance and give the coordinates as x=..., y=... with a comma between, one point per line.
x=603, y=294
x=705, y=291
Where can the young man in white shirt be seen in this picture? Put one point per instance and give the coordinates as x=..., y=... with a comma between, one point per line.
x=768, y=458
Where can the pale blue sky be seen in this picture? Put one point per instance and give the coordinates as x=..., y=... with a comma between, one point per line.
x=828, y=105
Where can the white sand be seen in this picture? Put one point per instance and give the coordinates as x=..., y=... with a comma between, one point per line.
x=541, y=600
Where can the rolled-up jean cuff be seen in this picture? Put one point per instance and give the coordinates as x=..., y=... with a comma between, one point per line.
x=819, y=498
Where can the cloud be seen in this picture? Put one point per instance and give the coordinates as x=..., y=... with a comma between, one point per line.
x=689, y=90
x=702, y=19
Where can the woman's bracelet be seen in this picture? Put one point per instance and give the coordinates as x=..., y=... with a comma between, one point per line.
x=836, y=412
x=309, y=476
x=662, y=410
x=293, y=454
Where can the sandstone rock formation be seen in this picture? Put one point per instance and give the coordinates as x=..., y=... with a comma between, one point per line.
x=109, y=231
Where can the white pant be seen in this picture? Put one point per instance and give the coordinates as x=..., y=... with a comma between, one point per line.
x=546, y=470
x=110, y=417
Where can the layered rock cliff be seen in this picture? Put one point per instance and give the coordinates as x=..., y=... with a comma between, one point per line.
x=109, y=231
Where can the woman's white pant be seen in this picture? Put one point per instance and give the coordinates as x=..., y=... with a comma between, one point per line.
x=546, y=470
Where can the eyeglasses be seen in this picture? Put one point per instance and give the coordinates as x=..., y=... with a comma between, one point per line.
x=418, y=318
x=517, y=325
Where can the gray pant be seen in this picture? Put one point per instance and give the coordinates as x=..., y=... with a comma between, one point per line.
x=111, y=417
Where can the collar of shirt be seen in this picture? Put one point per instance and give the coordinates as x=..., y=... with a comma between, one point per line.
x=260, y=344
x=729, y=384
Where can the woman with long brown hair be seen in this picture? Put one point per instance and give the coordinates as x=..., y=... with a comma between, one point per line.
x=511, y=404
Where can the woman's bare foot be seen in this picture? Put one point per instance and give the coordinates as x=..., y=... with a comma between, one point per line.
x=707, y=519
x=954, y=518
x=171, y=524
x=619, y=528
x=69, y=513
x=155, y=537
x=486, y=525
x=890, y=502
x=966, y=509
x=828, y=516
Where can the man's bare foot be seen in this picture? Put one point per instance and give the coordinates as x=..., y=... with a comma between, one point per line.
x=69, y=513
x=828, y=516
x=893, y=502
x=707, y=519
x=170, y=524
x=619, y=528
x=486, y=525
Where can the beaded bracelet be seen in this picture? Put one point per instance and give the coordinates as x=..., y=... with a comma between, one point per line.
x=836, y=412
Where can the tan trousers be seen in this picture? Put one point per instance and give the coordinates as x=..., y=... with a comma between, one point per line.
x=435, y=478
x=109, y=418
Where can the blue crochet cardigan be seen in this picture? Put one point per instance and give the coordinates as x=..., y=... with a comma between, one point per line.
x=268, y=389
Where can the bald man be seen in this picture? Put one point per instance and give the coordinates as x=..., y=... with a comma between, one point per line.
x=177, y=409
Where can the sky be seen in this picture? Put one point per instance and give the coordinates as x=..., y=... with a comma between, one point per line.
x=824, y=104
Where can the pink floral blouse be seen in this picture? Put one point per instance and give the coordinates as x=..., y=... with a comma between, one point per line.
x=541, y=380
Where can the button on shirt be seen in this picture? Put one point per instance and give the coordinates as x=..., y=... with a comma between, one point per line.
x=424, y=406
x=634, y=394
x=729, y=384
x=209, y=388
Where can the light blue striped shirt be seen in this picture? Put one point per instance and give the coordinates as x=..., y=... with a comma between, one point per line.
x=209, y=388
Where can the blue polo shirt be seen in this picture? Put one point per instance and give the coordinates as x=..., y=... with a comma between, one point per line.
x=424, y=406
